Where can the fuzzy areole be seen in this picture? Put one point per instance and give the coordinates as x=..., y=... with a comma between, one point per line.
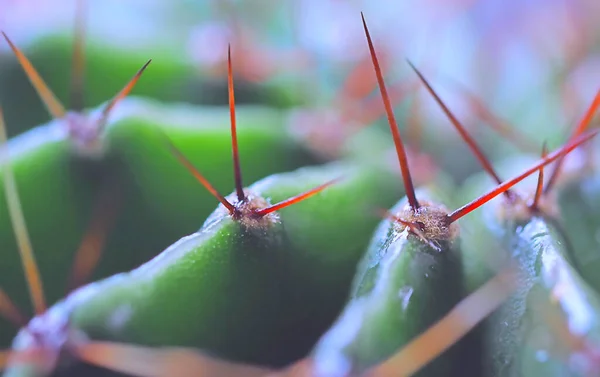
x=85, y=133
x=432, y=221
x=246, y=212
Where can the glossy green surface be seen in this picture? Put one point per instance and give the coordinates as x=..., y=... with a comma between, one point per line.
x=480, y=228
x=56, y=200
x=239, y=296
x=548, y=276
x=518, y=340
x=58, y=191
x=580, y=205
x=402, y=286
x=176, y=200
x=59, y=188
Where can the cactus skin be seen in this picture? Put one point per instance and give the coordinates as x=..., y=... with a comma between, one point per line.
x=543, y=252
x=200, y=133
x=396, y=294
x=279, y=290
x=57, y=201
x=59, y=188
x=580, y=208
x=515, y=348
x=578, y=191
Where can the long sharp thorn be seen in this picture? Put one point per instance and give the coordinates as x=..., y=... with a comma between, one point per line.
x=104, y=216
x=464, y=210
x=165, y=362
x=483, y=160
x=10, y=311
x=372, y=109
x=583, y=124
x=30, y=267
x=520, y=140
x=192, y=169
x=408, y=183
x=296, y=199
x=451, y=328
x=55, y=108
x=237, y=170
x=356, y=85
x=589, y=115
x=78, y=63
x=540, y=183
x=121, y=95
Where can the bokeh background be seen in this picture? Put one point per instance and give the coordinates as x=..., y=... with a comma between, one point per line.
x=534, y=63
x=530, y=67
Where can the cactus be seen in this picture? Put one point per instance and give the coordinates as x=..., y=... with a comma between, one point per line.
x=116, y=263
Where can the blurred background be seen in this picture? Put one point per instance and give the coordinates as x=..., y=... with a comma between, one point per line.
x=535, y=64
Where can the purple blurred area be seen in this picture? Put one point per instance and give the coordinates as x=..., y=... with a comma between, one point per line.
x=513, y=53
